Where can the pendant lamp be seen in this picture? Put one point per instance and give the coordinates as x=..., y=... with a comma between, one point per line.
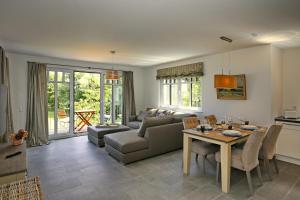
x=225, y=81
x=112, y=74
x=222, y=80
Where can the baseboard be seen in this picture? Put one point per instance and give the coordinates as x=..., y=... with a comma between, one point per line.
x=288, y=159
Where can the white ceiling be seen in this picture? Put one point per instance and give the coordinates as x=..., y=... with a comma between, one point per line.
x=144, y=32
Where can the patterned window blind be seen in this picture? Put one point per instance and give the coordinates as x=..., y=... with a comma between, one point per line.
x=195, y=69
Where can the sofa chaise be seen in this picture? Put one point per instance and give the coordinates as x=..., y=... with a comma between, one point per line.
x=156, y=136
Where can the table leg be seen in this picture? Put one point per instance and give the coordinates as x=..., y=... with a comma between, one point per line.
x=225, y=166
x=187, y=145
x=82, y=123
x=88, y=117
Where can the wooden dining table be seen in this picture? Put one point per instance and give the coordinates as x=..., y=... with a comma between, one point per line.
x=214, y=137
x=84, y=116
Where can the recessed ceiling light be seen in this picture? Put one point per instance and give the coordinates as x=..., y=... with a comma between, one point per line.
x=276, y=37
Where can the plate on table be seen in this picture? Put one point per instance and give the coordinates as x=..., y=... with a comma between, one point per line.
x=232, y=133
x=249, y=127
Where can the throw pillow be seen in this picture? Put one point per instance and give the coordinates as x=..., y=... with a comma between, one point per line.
x=161, y=113
x=152, y=112
x=142, y=115
x=153, y=121
x=170, y=112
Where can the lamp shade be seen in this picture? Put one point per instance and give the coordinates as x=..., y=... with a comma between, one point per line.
x=225, y=81
x=112, y=75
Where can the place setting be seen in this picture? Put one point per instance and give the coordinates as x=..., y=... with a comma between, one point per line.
x=231, y=129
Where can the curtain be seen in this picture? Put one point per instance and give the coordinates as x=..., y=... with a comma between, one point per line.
x=195, y=69
x=37, y=104
x=6, y=119
x=128, y=97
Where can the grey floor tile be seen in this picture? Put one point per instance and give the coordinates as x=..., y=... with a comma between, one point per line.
x=76, y=169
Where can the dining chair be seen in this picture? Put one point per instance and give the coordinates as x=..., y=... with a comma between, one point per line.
x=246, y=159
x=267, y=151
x=211, y=119
x=199, y=147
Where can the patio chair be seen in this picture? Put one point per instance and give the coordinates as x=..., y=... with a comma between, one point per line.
x=63, y=117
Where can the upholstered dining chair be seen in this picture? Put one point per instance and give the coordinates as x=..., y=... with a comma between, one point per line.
x=267, y=151
x=199, y=147
x=211, y=119
x=246, y=159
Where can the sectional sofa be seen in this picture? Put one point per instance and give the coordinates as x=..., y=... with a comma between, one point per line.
x=156, y=135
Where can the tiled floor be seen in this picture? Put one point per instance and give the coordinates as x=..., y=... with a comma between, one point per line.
x=76, y=169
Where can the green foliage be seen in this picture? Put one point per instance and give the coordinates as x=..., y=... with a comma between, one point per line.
x=87, y=93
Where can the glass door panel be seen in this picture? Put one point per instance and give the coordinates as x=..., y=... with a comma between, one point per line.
x=51, y=106
x=118, y=104
x=113, y=96
x=63, y=103
x=86, y=100
x=59, y=102
x=108, y=101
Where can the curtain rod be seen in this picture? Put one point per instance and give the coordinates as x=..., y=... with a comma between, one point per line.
x=64, y=65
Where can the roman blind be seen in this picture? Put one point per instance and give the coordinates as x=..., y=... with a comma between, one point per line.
x=195, y=69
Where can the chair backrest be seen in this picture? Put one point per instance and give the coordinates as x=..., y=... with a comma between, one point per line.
x=211, y=119
x=269, y=143
x=251, y=149
x=190, y=122
x=61, y=113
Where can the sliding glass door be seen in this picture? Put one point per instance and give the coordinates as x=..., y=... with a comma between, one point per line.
x=78, y=99
x=59, y=102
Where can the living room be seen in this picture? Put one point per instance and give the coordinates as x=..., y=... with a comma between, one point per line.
x=126, y=137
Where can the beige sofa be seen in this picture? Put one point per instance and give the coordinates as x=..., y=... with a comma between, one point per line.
x=153, y=138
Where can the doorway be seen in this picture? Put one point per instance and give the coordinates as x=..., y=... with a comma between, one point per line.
x=78, y=99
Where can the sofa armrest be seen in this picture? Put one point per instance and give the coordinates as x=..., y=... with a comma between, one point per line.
x=165, y=138
x=132, y=118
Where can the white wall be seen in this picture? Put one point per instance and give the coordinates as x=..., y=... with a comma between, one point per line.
x=18, y=74
x=276, y=81
x=291, y=78
x=255, y=62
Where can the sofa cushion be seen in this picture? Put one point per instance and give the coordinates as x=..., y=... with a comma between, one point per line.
x=126, y=142
x=152, y=112
x=170, y=112
x=142, y=115
x=153, y=121
x=134, y=124
x=161, y=113
x=148, y=112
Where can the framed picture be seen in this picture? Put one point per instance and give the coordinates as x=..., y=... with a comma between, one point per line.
x=234, y=94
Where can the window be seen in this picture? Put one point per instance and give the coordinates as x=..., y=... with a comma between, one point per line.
x=181, y=92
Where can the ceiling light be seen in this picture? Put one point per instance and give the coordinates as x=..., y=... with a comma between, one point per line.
x=276, y=37
x=112, y=74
